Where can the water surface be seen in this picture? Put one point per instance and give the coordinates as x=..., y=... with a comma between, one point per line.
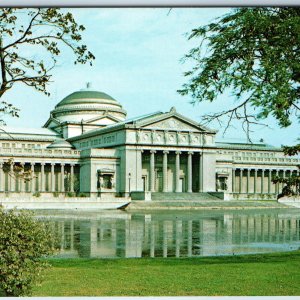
x=111, y=234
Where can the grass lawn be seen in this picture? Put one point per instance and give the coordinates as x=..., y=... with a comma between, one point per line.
x=251, y=275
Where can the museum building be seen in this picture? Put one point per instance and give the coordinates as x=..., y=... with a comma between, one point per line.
x=87, y=147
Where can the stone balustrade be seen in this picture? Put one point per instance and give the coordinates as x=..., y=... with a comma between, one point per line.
x=39, y=152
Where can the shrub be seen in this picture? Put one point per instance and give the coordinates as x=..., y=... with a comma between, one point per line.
x=36, y=194
x=70, y=194
x=24, y=241
x=55, y=194
x=82, y=195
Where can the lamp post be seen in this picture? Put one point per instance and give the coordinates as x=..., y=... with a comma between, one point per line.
x=129, y=178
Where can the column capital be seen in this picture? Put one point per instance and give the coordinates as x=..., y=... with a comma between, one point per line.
x=177, y=152
x=166, y=152
x=43, y=163
x=255, y=170
x=190, y=153
x=32, y=163
x=73, y=165
x=62, y=164
x=152, y=151
x=53, y=164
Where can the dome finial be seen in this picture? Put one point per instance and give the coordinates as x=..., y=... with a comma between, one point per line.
x=88, y=85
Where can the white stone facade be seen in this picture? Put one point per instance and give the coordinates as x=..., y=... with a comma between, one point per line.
x=88, y=148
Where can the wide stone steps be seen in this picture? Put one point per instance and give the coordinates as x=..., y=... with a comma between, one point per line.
x=187, y=205
x=183, y=197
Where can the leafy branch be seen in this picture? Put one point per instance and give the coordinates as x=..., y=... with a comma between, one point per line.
x=31, y=41
x=253, y=53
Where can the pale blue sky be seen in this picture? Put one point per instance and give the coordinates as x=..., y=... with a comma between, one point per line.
x=138, y=52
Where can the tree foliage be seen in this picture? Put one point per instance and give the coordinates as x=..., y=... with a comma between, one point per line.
x=31, y=41
x=23, y=242
x=291, y=185
x=255, y=54
x=16, y=170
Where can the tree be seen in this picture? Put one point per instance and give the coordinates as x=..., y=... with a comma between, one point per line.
x=31, y=40
x=255, y=54
x=291, y=185
x=24, y=241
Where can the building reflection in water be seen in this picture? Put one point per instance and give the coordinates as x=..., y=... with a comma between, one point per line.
x=123, y=234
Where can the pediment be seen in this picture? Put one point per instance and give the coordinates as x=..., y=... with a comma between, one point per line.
x=103, y=120
x=173, y=123
x=51, y=123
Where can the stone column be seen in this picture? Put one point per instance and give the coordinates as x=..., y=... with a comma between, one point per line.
x=152, y=171
x=32, y=178
x=189, y=172
x=248, y=180
x=241, y=180
x=283, y=176
x=2, y=187
x=255, y=180
x=72, y=179
x=269, y=181
x=43, y=179
x=200, y=173
x=12, y=178
x=21, y=182
x=52, y=178
x=262, y=181
x=62, y=177
x=165, y=171
x=233, y=180
x=277, y=184
x=177, y=172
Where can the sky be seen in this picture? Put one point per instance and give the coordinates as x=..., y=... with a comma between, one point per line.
x=138, y=62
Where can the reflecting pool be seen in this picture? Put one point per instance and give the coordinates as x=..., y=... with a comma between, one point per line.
x=111, y=234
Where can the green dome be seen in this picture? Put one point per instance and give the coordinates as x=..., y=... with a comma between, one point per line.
x=84, y=97
x=87, y=104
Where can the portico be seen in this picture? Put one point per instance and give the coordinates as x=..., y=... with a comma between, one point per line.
x=171, y=171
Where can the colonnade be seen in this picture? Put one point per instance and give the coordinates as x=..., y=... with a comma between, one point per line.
x=42, y=178
x=238, y=174
x=178, y=154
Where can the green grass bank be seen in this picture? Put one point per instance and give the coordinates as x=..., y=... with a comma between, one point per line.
x=249, y=275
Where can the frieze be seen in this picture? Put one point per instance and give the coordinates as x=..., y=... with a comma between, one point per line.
x=167, y=137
